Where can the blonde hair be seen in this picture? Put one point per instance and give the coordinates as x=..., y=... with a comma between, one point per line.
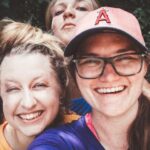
x=48, y=15
x=15, y=33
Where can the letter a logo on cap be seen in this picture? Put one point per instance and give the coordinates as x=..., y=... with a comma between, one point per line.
x=102, y=16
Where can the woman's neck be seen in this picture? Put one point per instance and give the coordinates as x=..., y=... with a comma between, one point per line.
x=16, y=139
x=113, y=131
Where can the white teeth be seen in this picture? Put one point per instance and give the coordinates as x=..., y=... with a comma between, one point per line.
x=30, y=116
x=111, y=90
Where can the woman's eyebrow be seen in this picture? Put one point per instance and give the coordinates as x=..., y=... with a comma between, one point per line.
x=118, y=51
x=59, y=4
x=10, y=82
x=87, y=55
x=129, y=48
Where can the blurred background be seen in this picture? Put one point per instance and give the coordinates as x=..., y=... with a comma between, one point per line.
x=33, y=11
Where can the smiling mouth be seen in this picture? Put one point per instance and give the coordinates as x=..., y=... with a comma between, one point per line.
x=112, y=90
x=30, y=116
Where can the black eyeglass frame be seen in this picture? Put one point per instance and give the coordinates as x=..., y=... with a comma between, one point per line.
x=108, y=60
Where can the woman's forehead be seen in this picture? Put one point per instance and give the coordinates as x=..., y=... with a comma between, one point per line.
x=59, y=2
x=106, y=42
x=33, y=64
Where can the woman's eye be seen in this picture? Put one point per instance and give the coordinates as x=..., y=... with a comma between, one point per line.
x=57, y=13
x=39, y=86
x=82, y=8
x=12, y=89
x=88, y=62
x=128, y=58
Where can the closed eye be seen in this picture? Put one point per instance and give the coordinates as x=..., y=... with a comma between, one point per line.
x=128, y=58
x=12, y=89
x=89, y=62
x=82, y=8
x=57, y=13
x=40, y=86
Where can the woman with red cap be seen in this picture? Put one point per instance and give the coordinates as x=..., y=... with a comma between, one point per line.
x=109, y=60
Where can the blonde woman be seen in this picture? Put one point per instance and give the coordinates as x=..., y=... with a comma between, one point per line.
x=33, y=85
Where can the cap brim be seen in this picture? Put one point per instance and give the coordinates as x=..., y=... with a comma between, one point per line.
x=76, y=41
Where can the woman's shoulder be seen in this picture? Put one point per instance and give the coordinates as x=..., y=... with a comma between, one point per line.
x=3, y=143
x=62, y=130
x=71, y=136
x=63, y=136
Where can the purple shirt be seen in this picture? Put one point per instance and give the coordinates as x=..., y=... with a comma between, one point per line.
x=72, y=136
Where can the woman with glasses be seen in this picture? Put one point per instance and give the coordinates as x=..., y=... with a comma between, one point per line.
x=109, y=60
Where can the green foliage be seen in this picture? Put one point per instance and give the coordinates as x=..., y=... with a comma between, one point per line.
x=33, y=11
x=5, y=3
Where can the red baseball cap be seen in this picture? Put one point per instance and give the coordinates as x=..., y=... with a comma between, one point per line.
x=107, y=19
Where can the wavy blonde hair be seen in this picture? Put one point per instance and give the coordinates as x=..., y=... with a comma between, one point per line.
x=15, y=33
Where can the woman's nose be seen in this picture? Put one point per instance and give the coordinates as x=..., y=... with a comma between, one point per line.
x=28, y=101
x=69, y=12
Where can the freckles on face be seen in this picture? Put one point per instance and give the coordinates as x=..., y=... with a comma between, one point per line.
x=30, y=92
x=110, y=94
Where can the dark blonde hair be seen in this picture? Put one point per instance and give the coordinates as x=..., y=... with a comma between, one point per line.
x=139, y=131
x=18, y=38
x=48, y=15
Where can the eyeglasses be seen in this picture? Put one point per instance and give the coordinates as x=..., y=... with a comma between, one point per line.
x=90, y=67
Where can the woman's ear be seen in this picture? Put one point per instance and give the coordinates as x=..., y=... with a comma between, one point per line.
x=147, y=75
x=146, y=89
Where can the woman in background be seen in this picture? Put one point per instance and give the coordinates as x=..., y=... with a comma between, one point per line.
x=61, y=18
